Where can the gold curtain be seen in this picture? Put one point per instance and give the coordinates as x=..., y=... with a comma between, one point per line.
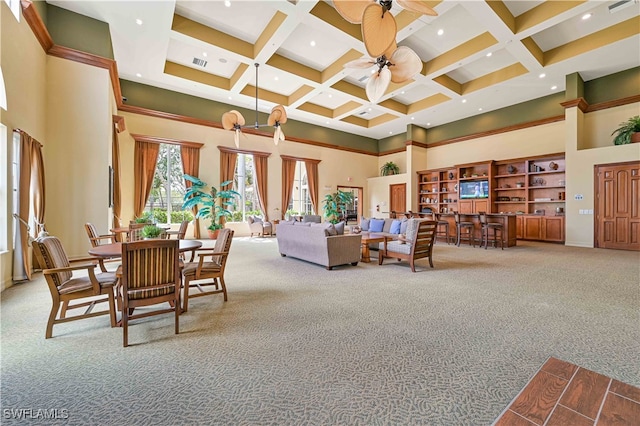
x=312, y=182
x=115, y=160
x=227, y=168
x=144, y=166
x=288, y=176
x=31, y=183
x=191, y=166
x=261, y=168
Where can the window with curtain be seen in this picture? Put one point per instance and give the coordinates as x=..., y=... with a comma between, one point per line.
x=244, y=183
x=4, y=188
x=168, y=188
x=300, y=203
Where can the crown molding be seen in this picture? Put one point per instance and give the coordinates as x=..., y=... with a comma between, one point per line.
x=158, y=139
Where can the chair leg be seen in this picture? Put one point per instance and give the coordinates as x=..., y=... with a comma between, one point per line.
x=185, y=297
x=125, y=328
x=52, y=318
x=224, y=288
x=112, y=308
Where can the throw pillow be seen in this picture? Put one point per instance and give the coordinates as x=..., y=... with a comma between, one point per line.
x=403, y=226
x=395, y=227
x=364, y=223
x=330, y=230
x=376, y=225
x=339, y=227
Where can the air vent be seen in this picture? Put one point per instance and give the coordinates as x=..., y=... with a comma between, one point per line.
x=363, y=113
x=363, y=78
x=617, y=6
x=200, y=62
x=294, y=2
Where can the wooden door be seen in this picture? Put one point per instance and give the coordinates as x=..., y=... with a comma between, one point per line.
x=398, y=197
x=618, y=206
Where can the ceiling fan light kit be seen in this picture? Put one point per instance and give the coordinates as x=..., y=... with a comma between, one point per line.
x=233, y=120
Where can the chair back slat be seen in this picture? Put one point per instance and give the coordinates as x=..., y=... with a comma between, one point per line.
x=50, y=254
x=149, y=268
x=135, y=231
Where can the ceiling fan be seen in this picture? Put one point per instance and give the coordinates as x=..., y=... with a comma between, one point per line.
x=397, y=64
x=378, y=27
x=233, y=120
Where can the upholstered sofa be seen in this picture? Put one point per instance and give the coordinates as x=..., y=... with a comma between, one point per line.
x=316, y=243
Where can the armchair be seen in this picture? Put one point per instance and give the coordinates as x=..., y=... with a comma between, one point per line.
x=97, y=239
x=417, y=244
x=257, y=226
x=150, y=275
x=66, y=289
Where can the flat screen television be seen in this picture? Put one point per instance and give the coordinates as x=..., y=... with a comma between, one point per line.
x=474, y=189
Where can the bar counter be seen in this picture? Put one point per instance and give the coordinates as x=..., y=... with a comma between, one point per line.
x=508, y=222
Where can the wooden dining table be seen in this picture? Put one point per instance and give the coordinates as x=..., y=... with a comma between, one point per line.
x=115, y=249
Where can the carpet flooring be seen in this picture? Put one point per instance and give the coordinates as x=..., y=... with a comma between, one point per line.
x=366, y=345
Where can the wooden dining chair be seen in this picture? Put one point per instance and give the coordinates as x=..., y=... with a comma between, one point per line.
x=180, y=232
x=71, y=291
x=150, y=275
x=97, y=239
x=210, y=266
x=135, y=231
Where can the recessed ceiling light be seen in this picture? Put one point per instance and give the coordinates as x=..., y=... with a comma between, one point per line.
x=229, y=97
x=479, y=109
x=402, y=93
x=413, y=118
x=373, y=71
x=464, y=101
x=276, y=78
x=428, y=124
x=543, y=75
x=139, y=21
x=138, y=74
x=390, y=133
x=440, y=31
x=370, y=109
x=554, y=87
x=227, y=3
x=327, y=122
x=586, y=16
x=204, y=54
x=313, y=43
x=330, y=95
x=489, y=54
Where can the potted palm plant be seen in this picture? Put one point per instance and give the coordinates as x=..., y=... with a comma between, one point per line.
x=389, y=168
x=335, y=204
x=212, y=204
x=628, y=132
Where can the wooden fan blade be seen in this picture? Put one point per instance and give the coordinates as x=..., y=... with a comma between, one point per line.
x=351, y=10
x=377, y=85
x=417, y=6
x=236, y=138
x=240, y=118
x=406, y=64
x=360, y=63
x=378, y=30
x=391, y=49
x=276, y=136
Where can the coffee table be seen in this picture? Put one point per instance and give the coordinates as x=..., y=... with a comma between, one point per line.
x=368, y=238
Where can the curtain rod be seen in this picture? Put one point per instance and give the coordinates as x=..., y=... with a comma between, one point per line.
x=22, y=132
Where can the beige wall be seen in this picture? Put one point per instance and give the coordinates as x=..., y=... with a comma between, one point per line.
x=599, y=125
x=376, y=204
x=580, y=176
x=400, y=158
x=23, y=65
x=77, y=151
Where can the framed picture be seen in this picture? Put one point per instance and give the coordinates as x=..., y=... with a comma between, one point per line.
x=110, y=186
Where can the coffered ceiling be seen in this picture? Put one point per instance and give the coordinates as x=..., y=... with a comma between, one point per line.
x=477, y=55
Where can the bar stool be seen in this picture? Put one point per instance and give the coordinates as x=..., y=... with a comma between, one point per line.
x=442, y=228
x=492, y=227
x=464, y=230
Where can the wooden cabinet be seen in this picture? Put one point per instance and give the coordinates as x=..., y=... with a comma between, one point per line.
x=474, y=206
x=519, y=227
x=543, y=228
